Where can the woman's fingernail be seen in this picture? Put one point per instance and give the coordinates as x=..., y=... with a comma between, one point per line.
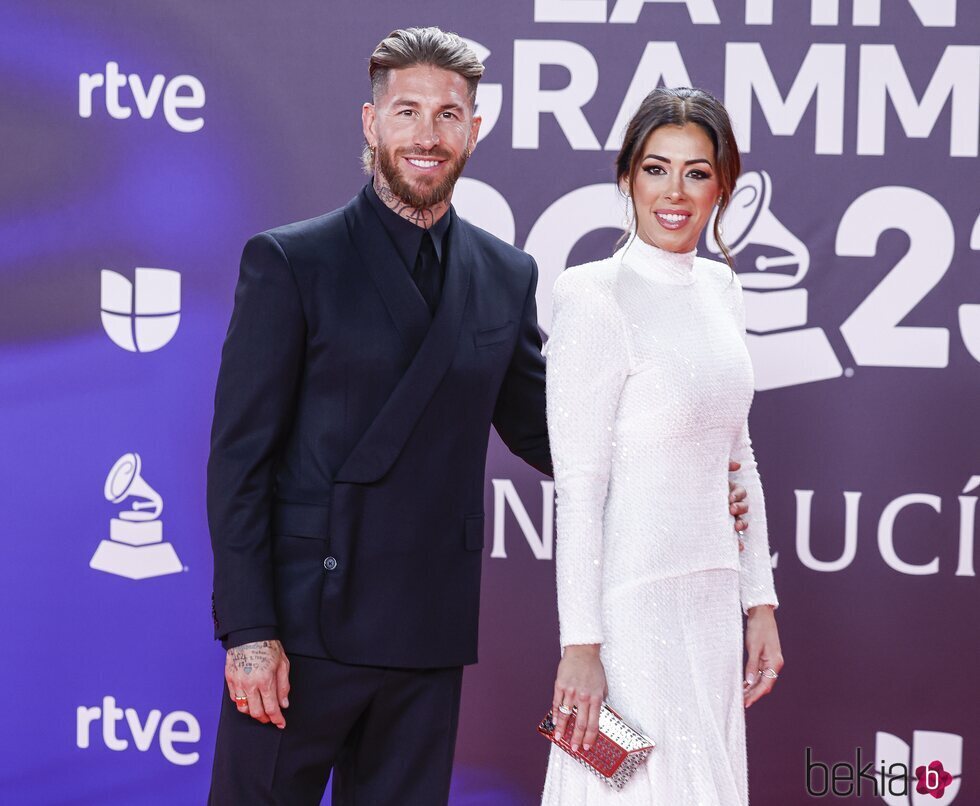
x=574, y=748
x=585, y=747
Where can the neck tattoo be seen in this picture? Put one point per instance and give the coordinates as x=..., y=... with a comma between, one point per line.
x=423, y=217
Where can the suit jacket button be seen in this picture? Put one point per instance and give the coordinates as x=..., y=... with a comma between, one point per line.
x=330, y=563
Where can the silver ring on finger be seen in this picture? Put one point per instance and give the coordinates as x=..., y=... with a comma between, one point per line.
x=769, y=673
x=564, y=709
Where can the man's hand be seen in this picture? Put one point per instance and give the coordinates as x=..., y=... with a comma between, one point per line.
x=258, y=680
x=736, y=504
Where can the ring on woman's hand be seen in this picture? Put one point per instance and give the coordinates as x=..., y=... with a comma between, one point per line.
x=241, y=698
x=740, y=532
x=769, y=673
x=564, y=709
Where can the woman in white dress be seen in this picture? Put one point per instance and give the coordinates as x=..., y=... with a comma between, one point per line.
x=649, y=388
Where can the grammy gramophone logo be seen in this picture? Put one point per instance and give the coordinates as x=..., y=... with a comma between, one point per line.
x=784, y=351
x=135, y=548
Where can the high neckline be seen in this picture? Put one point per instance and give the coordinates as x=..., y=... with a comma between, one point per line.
x=658, y=265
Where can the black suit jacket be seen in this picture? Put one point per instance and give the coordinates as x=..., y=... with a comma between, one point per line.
x=346, y=476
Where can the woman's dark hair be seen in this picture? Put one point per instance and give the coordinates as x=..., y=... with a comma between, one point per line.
x=676, y=107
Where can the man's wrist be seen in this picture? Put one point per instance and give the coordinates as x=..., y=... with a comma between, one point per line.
x=239, y=637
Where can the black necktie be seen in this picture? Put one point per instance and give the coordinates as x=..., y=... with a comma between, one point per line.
x=427, y=273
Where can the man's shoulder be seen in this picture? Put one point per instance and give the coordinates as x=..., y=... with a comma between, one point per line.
x=326, y=225
x=489, y=243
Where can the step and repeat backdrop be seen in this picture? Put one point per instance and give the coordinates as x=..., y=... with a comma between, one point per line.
x=143, y=143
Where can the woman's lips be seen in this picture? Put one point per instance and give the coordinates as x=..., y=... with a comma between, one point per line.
x=672, y=219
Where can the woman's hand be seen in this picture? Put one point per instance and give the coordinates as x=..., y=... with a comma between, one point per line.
x=580, y=684
x=765, y=656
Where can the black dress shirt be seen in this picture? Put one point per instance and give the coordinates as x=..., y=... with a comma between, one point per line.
x=407, y=236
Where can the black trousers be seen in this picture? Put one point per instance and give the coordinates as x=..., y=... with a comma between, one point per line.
x=388, y=735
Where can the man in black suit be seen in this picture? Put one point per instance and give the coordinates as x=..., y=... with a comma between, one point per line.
x=369, y=352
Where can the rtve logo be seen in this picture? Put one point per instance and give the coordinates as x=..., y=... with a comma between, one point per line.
x=177, y=727
x=143, y=315
x=146, y=98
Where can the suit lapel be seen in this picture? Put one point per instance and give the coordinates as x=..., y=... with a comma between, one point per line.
x=395, y=285
x=381, y=444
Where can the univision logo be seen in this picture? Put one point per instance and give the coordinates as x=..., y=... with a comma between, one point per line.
x=143, y=315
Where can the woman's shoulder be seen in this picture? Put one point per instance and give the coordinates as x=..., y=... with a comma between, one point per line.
x=596, y=277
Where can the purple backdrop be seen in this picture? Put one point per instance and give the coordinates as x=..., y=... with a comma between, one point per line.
x=160, y=136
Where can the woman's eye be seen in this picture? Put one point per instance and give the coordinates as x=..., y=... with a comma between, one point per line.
x=698, y=175
x=654, y=169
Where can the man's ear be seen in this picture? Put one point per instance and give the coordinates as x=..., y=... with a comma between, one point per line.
x=474, y=133
x=368, y=118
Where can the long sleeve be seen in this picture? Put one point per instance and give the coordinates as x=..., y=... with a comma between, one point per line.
x=519, y=414
x=587, y=364
x=261, y=363
x=755, y=566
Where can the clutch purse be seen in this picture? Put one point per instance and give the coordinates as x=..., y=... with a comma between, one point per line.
x=616, y=754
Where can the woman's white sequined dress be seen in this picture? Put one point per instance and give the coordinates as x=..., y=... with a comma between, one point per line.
x=649, y=389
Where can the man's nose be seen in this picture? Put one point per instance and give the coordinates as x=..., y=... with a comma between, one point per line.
x=426, y=136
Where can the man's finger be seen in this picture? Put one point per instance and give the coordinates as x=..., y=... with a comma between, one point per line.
x=230, y=685
x=255, y=709
x=235, y=692
x=282, y=683
x=271, y=705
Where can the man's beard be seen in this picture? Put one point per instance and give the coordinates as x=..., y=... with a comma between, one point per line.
x=420, y=196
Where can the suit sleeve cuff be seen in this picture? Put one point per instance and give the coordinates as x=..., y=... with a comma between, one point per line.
x=239, y=637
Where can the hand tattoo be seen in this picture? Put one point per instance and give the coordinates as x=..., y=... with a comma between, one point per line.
x=256, y=656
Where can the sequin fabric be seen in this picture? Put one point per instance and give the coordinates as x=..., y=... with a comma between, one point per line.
x=649, y=389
